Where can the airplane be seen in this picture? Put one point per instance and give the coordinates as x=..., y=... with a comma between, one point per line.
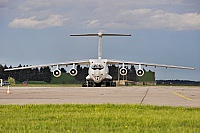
x=98, y=68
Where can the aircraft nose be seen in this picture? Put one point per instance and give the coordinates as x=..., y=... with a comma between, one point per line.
x=97, y=78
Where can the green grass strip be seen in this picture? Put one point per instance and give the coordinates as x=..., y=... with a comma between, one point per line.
x=101, y=118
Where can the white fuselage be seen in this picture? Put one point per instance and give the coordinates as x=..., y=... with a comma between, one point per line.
x=98, y=70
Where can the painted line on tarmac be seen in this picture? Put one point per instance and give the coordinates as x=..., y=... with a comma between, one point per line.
x=186, y=98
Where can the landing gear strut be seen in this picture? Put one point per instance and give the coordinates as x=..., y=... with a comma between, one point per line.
x=107, y=83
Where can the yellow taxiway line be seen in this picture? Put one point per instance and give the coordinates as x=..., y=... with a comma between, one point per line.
x=186, y=98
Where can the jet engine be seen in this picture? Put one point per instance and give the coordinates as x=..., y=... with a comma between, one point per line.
x=57, y=73
x=140, y=72
x=73, y=72
x=123, y=71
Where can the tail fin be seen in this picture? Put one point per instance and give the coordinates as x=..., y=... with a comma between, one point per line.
x=100, y=35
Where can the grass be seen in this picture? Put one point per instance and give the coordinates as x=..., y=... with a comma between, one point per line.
x=103, y=118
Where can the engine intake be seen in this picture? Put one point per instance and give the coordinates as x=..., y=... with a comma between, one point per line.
x=73, y=72
x=140, y=72
x=123, y=71
x=57, y=73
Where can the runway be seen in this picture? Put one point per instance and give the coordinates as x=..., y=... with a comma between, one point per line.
x=153, y=95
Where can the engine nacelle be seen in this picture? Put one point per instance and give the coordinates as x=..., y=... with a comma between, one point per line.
x=57, y=73
x=140, y=72
x=73, y=72
x=123, y=71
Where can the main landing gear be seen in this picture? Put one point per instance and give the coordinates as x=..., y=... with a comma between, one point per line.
x=108, y=83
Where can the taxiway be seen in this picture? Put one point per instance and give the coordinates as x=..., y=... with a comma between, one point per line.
x=153, y=95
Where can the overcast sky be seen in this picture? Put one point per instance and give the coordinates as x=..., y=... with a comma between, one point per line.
x=34, y=32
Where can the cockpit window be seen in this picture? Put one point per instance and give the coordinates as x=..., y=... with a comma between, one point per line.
x=97, y=67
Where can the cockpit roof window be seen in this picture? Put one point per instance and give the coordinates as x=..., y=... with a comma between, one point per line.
x=97, y=67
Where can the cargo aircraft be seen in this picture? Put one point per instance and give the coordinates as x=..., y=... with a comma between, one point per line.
x=98, y=68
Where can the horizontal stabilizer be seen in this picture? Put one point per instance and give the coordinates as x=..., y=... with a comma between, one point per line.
x=101, y=34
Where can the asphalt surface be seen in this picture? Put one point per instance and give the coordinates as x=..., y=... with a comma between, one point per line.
x=153, y=95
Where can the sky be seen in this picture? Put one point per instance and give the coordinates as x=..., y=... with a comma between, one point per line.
x=34, y=32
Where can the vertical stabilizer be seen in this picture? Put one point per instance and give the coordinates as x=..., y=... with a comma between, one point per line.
x=100, y=48
x=100, y=35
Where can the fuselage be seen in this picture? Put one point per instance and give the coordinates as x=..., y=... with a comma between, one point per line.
x=98, y=70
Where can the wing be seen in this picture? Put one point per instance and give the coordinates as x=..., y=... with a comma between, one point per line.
x=147, y=64
x=82, y=62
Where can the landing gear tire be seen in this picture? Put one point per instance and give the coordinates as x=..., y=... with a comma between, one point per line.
x=104, y=84
x=110, y=84
x=88, y=84
x=97, y=84
x=113, y=84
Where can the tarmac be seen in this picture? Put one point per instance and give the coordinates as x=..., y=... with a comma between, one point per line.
x=184, y=96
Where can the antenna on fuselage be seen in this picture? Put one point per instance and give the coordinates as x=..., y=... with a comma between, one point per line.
x=100, y=35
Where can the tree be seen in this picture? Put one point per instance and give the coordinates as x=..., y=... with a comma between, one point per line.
x=131, y=75
x=1, y=71
x=44, y=74
x=5, y=74
x=63, y=70
x=113, y=71
x=82, y=73
x=47, y=75
x=11, y=80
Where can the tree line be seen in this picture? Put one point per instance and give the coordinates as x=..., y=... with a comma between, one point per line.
x=45, y=74
x=36, y=74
